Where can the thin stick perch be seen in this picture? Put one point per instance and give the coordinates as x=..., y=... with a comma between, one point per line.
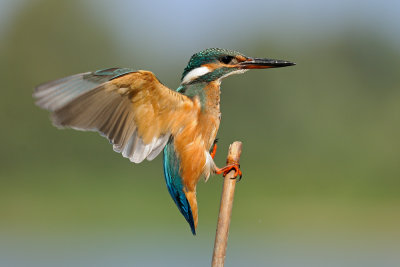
x=225, y=210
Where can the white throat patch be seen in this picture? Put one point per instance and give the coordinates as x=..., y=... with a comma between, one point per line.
x=194, y=74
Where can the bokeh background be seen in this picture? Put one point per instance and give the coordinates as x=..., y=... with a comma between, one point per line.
x=321, y=157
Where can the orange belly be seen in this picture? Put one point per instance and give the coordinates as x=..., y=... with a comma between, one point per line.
x=192, y=145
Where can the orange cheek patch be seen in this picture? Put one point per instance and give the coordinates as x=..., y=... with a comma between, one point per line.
x=212, y=66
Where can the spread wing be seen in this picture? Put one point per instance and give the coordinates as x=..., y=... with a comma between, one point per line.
x=132, y=109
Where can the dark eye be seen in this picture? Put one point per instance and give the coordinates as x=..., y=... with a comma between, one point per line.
x=226, y=59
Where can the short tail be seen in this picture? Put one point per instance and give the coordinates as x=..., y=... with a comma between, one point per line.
x=175, y=187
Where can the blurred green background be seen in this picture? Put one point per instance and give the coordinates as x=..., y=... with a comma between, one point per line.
x=321, y=140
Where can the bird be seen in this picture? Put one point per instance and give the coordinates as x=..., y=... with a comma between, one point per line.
x=141, y=117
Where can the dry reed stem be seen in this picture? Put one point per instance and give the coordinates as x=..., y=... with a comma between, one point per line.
x=225, y=211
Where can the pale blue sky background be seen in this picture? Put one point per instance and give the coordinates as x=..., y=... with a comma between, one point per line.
x=232, y=19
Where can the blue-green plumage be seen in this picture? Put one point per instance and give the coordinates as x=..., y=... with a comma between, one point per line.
x=208, y=56
x=194, y=90
x=174, y=183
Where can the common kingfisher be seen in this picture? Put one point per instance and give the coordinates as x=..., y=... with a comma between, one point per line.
x=140, y=116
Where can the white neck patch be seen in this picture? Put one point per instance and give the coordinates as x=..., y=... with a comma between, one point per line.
x=195, y=73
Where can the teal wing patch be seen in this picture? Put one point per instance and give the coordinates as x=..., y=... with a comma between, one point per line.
x=113, y=72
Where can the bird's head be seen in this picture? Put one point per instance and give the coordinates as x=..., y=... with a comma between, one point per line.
x=215, y=63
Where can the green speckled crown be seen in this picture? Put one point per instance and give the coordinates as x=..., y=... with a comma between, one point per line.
x=207, y=56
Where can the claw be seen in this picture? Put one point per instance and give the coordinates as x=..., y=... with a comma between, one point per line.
x=225, y=170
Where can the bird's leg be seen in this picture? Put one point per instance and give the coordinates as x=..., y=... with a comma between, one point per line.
x=213, y=149
x=225, y=170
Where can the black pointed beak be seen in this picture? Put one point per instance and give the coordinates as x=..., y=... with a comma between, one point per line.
x=264, y=63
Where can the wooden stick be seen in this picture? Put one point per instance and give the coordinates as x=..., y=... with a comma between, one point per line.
x=225, y=210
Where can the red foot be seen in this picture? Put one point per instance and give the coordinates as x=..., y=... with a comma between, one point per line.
x=225, y=170
x=214, y=151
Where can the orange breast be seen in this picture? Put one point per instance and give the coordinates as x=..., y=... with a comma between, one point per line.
x=197, y=137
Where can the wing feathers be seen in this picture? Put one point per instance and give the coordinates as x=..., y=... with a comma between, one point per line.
x=131, y=110
x=55, y=94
